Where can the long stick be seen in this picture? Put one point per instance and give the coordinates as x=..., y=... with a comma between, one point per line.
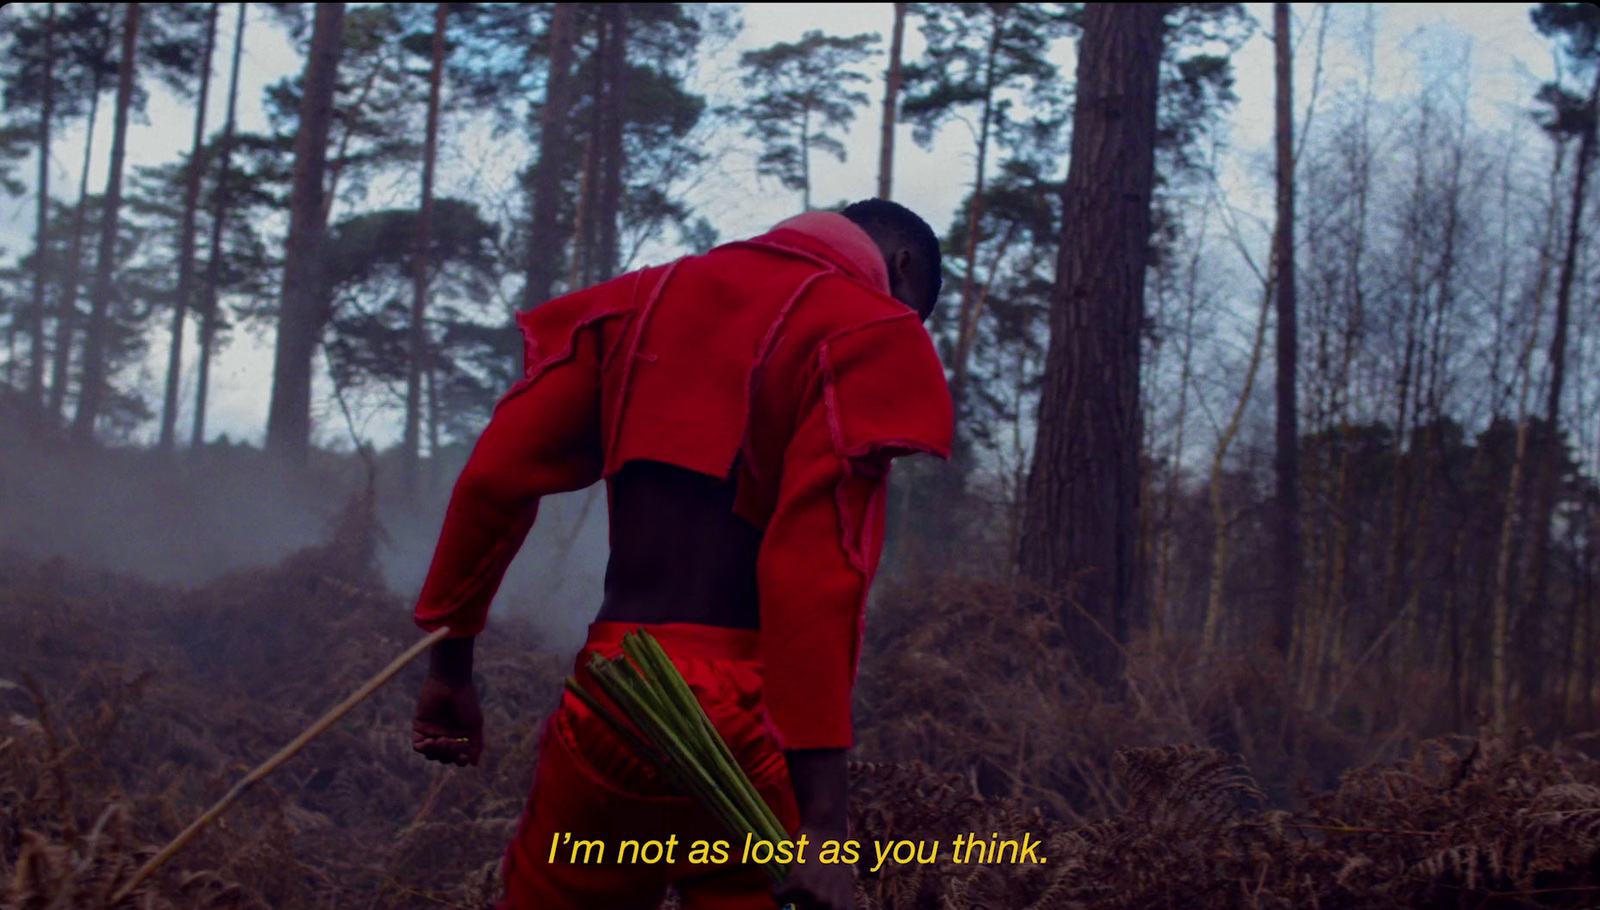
x=267, y=767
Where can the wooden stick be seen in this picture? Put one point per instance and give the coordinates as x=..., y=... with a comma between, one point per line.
x=267, y=767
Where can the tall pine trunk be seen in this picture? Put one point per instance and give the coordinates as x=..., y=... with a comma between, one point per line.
x=1287, y=462
x=299, y=316
x=891, y=101
x=1504, y=621
x=614, y=62
x=66, y=322
x=219, y=218
x=41, y=259
x=417, y=340
x=1083, y=488
x=546, y=232
x=191, y=207
x=583, y=227
x=1550, y=455
x=92, y=394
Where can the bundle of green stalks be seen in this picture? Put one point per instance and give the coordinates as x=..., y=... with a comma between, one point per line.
x=678, y=738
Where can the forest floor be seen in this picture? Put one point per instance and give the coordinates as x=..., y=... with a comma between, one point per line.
x=127, y=707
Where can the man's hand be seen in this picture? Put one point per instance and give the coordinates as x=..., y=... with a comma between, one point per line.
x=449, y=725
x=818, y=886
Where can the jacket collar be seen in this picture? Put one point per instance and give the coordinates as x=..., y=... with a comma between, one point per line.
x=836, y=239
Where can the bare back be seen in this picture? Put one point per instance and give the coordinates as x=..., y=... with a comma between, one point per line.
x=678, y=552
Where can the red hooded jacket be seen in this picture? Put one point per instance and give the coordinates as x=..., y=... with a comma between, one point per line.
x=783, y=357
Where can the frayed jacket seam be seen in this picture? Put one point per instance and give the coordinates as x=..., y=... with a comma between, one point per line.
x=532, y=371
x=633, y=355
x=764, y=354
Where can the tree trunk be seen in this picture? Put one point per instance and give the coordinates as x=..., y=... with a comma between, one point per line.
x=66, y=323
x=191, y=206
x=417, y=340
x=545, y=234
x=1287, y=462
x=1084, y=483
x=582, y=235
x=1550, y=455
x=41, y=261
x=432, y=376
x=94, y=347
x=891, y=101
x=1502, y=611
x=299, y=317
x=1500, y=678
x=583, y=228
x=615, y=63
x=967, y=318
x=219, y=217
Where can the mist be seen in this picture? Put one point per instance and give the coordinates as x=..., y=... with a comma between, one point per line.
x=225, y=507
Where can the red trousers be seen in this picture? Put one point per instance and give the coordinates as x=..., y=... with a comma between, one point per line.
x=591, y=785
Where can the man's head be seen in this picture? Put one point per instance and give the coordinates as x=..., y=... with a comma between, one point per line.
x=910, y=250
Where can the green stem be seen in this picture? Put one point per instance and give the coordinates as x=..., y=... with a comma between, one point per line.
x=680, y=739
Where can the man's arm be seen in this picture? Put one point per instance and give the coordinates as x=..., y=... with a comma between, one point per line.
x=544, y=438
x=875, y=392
x=450, y=661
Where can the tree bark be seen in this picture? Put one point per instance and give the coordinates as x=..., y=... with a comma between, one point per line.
x=299, y=316
x=615, y=63
x=41, y=258
x=1288, y=431
x=191, y=207
x=1084, y=484
x=1550, y=455
x=219, y=216
x=545, y=234
x=66, y=323
x=1503, y=611
x=1500, y=610
x=417, y=340
x=583, y=228
x=891, y=101
x=94, y=348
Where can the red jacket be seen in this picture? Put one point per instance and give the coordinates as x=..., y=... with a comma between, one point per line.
x=786, y=350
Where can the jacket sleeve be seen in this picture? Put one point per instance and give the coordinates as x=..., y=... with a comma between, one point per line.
x=544, y=438
x=876, y=392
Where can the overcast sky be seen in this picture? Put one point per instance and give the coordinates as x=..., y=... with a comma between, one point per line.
x=1493, y=46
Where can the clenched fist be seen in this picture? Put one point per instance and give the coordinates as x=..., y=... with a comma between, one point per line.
x=448, y=726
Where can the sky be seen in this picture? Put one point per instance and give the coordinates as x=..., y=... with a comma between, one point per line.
x=1492, y=47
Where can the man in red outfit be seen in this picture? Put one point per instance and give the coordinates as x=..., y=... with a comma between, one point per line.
x=743, y=407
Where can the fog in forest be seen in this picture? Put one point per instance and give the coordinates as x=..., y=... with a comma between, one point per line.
x=1266, y=563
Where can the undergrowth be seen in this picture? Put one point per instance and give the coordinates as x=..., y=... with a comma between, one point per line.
x=127, y=707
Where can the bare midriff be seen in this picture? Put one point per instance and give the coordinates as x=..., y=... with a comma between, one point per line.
x=678, y=552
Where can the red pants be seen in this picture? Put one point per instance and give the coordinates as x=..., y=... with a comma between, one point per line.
x=590, y=784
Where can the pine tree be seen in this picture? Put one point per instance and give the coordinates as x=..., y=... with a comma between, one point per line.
x=300, y=319
x=219, y=216
x=186, y=241
x=1081, y=517
x=802, y=93
x=95, y=342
